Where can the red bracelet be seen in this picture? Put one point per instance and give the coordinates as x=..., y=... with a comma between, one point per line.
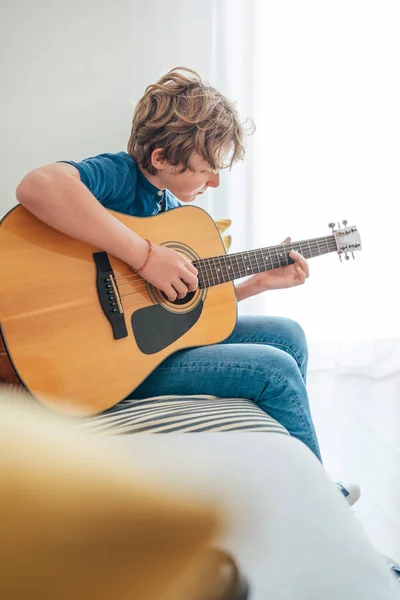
x=146, y=262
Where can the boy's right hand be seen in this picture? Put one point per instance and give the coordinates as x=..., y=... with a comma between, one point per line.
x=170, y=272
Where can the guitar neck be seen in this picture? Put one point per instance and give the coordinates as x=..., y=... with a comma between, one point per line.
x=228, y=267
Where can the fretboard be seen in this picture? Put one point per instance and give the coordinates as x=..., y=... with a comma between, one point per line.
x=227, y=267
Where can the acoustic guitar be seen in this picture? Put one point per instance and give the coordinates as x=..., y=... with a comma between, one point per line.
x=80, y=331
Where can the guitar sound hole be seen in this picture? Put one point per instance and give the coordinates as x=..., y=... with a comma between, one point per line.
x=181, y=301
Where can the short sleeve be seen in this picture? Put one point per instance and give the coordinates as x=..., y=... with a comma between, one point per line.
x=110, y=178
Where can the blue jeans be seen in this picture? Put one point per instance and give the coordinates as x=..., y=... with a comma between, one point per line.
x=264, y=360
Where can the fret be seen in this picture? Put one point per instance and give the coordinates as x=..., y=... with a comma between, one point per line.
x=244, y=262
x=237, y=272
x=217, y=270
x=208, y=277
x=220, y=269
x=212, y=271
x=224, y=266
x=224, y=269
x=286, y=254
x=271, y=260
x=230, y=270
x=267, y=259
x=204, y=276
x=260, y=269
x=203, y=273
x=296, y=247
x=264, y=261
x=219, y=274
x=248, y=263
x=301, y=250
x=254, y=261
x=282, y=254
x=277, y=255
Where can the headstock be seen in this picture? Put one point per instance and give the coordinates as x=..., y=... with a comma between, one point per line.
x=347, y=239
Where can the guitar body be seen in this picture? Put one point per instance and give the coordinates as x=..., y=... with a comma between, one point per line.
x=62, y=340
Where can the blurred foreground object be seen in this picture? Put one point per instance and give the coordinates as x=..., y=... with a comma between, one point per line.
x=77, y=522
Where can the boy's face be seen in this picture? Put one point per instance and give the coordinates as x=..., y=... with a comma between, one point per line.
x=186, y=186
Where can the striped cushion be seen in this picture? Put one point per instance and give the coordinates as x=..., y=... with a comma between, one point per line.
x=182, y=414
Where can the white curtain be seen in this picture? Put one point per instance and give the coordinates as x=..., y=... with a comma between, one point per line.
x=234, y=73
x=327, y=149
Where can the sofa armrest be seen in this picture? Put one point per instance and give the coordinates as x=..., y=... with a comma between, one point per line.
x=291, y=530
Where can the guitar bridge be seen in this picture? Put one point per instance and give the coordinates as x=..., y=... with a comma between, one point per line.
x=109, y=296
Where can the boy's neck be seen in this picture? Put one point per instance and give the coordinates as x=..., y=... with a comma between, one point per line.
x=154, y=179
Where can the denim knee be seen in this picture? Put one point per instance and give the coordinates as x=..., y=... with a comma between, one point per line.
x=282, y=367
x=295, y=339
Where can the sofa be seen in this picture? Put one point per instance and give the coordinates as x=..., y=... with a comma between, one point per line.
x=290, y=530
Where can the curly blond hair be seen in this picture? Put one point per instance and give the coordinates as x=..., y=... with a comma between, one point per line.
x=183, y=115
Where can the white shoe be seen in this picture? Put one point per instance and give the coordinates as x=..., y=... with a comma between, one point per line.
x=394, y=567
x=351, y=491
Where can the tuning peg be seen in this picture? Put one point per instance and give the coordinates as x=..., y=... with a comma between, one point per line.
x=345, y=223
x=353, y=254
x=347, y=257
x=340, y=257
x=332, y=226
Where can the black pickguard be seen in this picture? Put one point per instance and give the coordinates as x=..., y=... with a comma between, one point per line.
x=155, y=328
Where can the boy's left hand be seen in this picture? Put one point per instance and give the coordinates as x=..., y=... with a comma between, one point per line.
x=283, y=277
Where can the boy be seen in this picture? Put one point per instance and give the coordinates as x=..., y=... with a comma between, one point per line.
x=183, y=132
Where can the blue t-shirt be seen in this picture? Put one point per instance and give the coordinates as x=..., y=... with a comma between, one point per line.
x=118, y=184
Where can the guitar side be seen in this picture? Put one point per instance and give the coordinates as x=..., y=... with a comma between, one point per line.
x=54, y=327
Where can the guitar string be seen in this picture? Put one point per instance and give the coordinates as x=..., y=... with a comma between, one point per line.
x=213, y=279
x=251, y=263
x=215, y=261
x=208, y=261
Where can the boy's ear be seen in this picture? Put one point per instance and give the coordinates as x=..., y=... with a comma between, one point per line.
x=157, y=159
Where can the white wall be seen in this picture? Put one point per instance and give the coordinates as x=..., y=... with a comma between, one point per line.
x=72, y=72
x=65, y=83
x=170, y=34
